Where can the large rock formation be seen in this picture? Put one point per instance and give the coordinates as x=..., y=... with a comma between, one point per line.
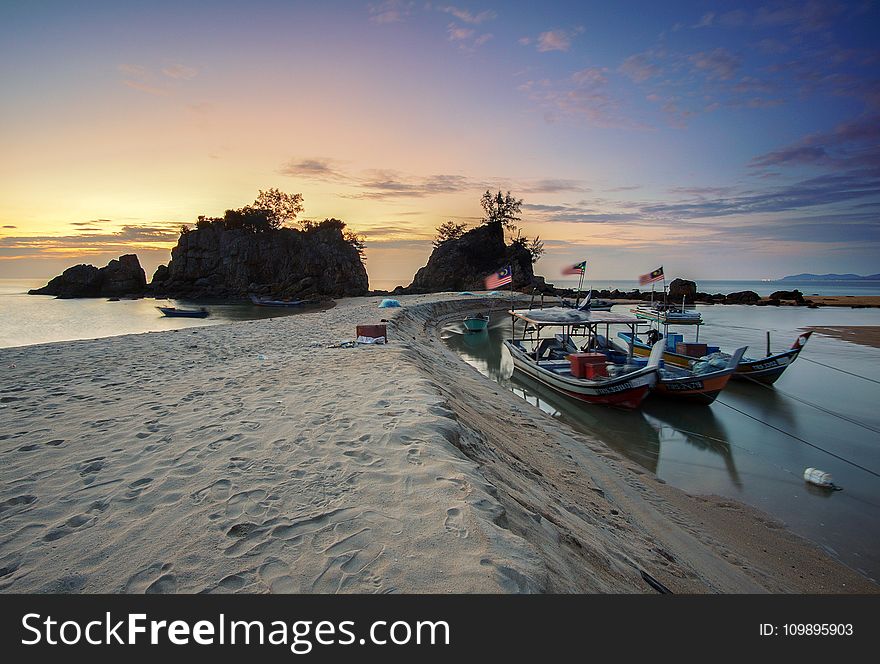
x=682, y=289
x=215, y=262
x=124, y=276
x=464, y=263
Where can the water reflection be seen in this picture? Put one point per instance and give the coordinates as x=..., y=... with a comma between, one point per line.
x=754, y=442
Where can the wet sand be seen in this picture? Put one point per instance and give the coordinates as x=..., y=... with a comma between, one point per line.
x=253, y=457
x=865, y=335
x=872, y=301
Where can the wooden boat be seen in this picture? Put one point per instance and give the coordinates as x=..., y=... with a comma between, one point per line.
x=580, y=375
x=700, y=382
x=174, y=312
x=266, y=302
x=668, y=314
x=589, y=304
x=765, y=370
x=476, y=323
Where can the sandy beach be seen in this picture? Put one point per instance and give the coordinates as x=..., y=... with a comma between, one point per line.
x=252, y=457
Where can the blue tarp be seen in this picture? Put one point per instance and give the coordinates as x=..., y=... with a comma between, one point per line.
x=388, y=304
x=466, y=293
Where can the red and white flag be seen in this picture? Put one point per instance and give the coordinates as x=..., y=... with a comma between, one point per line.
x=503, y=276
x=651, y=277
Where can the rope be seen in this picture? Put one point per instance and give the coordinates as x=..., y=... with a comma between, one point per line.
x=848, y=373
x=815, y=405
x=805, y=442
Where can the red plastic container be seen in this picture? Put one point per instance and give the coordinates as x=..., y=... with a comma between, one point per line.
x=691, y=350
x=588, y=365
x=373, y=331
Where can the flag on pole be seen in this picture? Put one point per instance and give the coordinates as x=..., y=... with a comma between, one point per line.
x=651, y=277
x=580, y=268
x=503, y=276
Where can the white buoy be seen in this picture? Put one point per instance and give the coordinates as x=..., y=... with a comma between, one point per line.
x=818, y=477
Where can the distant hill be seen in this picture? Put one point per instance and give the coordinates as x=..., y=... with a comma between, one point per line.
x=831, y=277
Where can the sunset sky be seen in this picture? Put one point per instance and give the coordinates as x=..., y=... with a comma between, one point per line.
x=723, y=140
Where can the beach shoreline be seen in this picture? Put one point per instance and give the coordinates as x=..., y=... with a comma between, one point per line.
x=253, y=457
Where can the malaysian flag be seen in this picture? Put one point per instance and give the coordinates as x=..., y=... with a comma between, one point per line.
x=580, y=268
x=651, y=277
x=503, y=276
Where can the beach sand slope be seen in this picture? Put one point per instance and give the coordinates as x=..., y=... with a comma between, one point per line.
x=252, y=457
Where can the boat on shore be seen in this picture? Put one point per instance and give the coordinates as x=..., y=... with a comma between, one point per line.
x=267, y=302
x=476, y=323
x=587, y=376
x=174, y=312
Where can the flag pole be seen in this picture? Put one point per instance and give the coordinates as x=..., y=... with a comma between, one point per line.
x=580, y=287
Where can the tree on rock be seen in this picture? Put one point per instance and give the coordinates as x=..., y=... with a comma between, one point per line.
x=501, y=207
x=278, y=206
x=448, y=231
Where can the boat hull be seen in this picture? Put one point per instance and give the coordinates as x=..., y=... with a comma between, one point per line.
x=698, y=389
x=626, y=391
x=766, y=370
x=171, y=312
x=476, y=324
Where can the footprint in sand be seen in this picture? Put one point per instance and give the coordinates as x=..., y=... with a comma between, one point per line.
x=73, y=524
x=23, y=500
x=455, y=522
x=137, y=487
x=247, y=502
x=413, y=456
x=276, y=574
x=364, y=458
x=155, y=578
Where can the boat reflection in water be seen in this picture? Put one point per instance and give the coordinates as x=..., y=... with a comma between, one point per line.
x=637, y=435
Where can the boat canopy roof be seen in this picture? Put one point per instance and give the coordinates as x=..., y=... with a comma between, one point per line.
x=565, y=316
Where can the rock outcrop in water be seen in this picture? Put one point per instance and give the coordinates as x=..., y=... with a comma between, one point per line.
x=464, y=263
x=124, y=276
x=213, y=261
x=682, y=289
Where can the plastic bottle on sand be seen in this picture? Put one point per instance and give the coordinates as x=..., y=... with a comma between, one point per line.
x=818, y=477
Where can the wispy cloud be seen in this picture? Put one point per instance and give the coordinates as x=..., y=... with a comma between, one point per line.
x=179, y=71
x=467, y=39
x=467, y=16
x=124, y=240
x=716, y=64
x=639, y=67
x=585, y=95
x=312, y=169
x=556, y=40
x=390, y=11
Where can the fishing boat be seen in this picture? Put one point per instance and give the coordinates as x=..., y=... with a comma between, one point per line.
x=589, y=304
x=666, y=313
x=700, y=382
x=476, y=323
x=174, y=312
x=587, y=376
x=766, y=370
x=266, y=302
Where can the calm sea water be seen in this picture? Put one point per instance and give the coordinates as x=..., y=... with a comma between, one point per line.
x=754, y=442
x=704, y=286
x=35, y=319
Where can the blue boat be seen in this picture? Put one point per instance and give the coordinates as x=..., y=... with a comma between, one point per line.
x=476, y=323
